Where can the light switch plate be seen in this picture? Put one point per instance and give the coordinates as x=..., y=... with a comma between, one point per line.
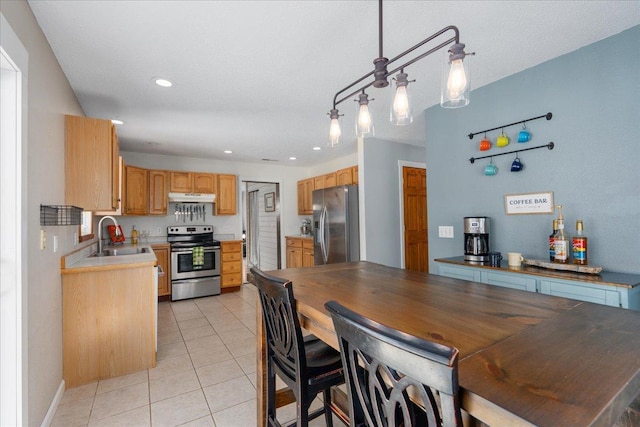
x=445, y=231
x=43, y=239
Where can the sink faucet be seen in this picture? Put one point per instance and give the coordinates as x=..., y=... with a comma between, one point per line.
x=100, y=230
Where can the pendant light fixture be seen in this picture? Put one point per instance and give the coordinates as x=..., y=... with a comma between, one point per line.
x=454, y=91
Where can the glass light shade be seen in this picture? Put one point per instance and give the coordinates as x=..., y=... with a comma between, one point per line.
x=401, y=109
x=334, y=132
x=364, y=123
x=456, y=85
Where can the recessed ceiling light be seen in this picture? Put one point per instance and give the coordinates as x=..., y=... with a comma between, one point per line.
x=228, y=152
x=117, y=122
x=162, y=82
x=317, y=148
x=292, y=158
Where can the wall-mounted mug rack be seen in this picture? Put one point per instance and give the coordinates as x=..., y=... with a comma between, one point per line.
x=547, y=116
x=549, y=146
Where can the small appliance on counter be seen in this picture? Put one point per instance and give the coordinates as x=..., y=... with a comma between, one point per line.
x=305, y=230
x=476, y=239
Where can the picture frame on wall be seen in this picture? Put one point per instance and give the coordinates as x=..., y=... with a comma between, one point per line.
x=269, y=202
x=529, y=203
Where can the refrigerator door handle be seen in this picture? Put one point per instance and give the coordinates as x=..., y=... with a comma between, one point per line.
x=325, y=240
x=321, y=233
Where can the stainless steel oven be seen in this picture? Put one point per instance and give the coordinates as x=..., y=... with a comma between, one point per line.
x=191, y=279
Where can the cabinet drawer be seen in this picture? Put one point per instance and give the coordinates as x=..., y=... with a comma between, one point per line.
x=582, y=292
x=459, y=273
x=231, y=267
x=231, y=247
x=307, y=244
x=512, y=281
x=232, y=279
x=235, y=256
x=294, y=243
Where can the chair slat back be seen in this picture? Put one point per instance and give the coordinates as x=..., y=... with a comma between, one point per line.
x=281, y=325
x=387, y=372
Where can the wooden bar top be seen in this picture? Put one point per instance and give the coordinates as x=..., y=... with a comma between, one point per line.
x=525, y=359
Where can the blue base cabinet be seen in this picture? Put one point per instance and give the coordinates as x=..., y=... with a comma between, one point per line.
x=607, y=294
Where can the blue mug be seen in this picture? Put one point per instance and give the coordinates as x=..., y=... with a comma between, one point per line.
x=524, y=135
x=517, y=165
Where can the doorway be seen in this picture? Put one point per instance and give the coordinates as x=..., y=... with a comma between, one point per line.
x=415, y=227
x=12, y=304
x=262, y=219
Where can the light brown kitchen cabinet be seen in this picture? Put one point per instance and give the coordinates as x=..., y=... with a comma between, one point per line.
x=318, y=182
x=354, y=175
x=204, y=183
x=158, y=189
x=163, y=253
x=305, y=196
x=226, y=195
x=231, y=267
x=180, y=182
x=330, y=180
x=344, y=176
x=91, y=163
x=108, y=323
x=299, y=252
x=136, y=190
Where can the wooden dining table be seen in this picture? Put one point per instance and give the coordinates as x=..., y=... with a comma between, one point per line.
x=525, y=358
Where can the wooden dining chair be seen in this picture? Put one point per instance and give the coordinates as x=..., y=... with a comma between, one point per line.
x=393, y=378
x=306, y=364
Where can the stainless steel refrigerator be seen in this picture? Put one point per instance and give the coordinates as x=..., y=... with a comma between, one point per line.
x=336, y=225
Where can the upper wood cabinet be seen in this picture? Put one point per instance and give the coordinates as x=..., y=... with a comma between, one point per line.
x=318, y=182
x=192, y=182
x=91, y=163
x=344, y=176
x=158, y=189
x=204, y=183
x=354, y=175
x=136, y=190
x=226, y=195
x=305, y=196
x=330, y=180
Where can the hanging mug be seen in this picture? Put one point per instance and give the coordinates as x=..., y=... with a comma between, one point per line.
x=490, y=169
x=517, y=165
x=502, y=141
x=485, y=144
x=524, y=135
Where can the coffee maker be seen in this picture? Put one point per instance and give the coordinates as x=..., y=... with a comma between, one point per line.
x=476, y=239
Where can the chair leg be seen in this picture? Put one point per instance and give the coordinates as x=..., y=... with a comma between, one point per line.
x=328, y=414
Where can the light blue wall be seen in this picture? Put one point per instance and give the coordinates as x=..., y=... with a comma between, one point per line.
x=594, y=170
x=383, y=198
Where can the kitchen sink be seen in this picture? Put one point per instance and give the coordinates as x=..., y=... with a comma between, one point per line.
x=121, y=251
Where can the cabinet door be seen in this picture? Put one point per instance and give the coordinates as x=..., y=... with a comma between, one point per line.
x=226, y=195
x=606, y=295
x=507, y=280
x=116, y=168
x=231, y=271
x=305, y=196
x=294, y=252
x=158, y=192
x=162, y=255
x=318, y=182
x=204, y=183
x=344, y=177
x=307, y=253
x=91, y=180
x=136, y=190
x=330, y=180
x=459, y=272
x=354, y=174
x=180, y=182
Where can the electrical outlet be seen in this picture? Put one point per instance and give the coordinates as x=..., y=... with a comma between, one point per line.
x=445, y=231
x=158, y=231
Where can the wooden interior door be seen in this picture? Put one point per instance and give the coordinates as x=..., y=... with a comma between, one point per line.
x=416, y=243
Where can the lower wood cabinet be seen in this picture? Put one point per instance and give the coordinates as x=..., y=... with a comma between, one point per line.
x=163, y=255
x=231, y=266
x=299, y=252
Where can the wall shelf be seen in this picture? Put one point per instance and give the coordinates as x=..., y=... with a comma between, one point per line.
x=549, y=146
x=60, y=215
x=547, y=116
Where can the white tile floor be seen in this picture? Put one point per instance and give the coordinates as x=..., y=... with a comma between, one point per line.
x=205, y=373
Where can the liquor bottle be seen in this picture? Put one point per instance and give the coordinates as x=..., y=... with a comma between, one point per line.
x=134, y=236
x=552, y=237
x=579, y=245
x=561, y=241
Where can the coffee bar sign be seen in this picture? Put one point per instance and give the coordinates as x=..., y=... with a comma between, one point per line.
x=529, y=203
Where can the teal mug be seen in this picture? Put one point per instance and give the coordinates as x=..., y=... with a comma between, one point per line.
x=490, y=169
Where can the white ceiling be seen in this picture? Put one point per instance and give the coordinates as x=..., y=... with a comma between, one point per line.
x=258, y=77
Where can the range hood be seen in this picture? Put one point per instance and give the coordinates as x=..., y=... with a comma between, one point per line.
x=191, y=198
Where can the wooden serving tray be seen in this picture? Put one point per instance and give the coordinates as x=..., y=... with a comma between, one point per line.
x=590, y=269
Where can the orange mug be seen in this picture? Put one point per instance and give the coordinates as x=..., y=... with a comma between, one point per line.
x=485, y=144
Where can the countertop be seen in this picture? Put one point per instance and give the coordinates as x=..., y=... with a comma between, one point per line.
x=610, y=278
x=80, y=261
x=299, y=236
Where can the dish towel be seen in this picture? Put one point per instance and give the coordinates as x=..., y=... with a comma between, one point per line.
x=197, y=257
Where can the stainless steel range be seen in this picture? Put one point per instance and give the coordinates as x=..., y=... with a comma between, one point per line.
x=195, y=262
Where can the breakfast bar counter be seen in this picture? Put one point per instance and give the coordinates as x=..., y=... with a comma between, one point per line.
x=525, y=358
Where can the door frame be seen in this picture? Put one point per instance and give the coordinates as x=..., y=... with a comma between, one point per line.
x=279, y=209
x=402, y=164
